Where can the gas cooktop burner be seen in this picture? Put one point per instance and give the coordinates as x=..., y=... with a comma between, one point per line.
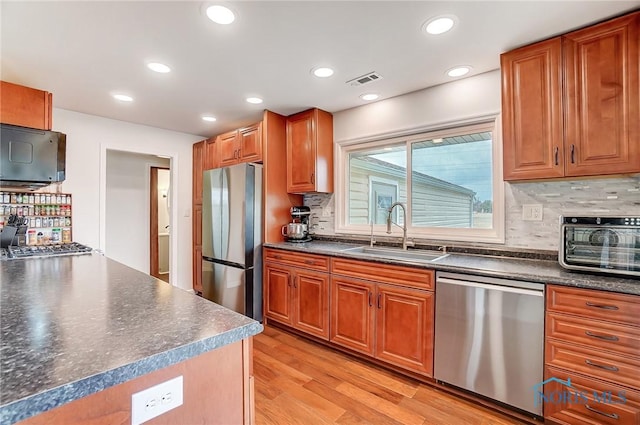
x=74, y=248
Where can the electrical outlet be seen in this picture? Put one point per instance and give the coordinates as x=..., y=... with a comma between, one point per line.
x=154, y=401
x=532, y=212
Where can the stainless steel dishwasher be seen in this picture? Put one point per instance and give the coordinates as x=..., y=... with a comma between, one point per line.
x=489, y=337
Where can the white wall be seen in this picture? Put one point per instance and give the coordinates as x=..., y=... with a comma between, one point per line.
x=88, y=139
x=457, y=101
x=127, y=207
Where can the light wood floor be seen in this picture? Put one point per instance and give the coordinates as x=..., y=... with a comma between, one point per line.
x=300, y=382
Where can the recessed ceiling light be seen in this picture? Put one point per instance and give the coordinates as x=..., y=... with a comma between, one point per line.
x=254, y=100
x=163, y=156
x=388, y=149
x=220, y=14
x=439, y=24
x=158, y=67
x=123, y=97
x=437, y=140
x=208, y=118
x=369, y=96
x=458, y=71
x=322, y=72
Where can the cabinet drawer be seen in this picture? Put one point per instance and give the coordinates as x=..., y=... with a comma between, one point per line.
x=386, y=273
x=292, y=258
x=599, y=364
x=594, y=304
x=588, y=401
x=594, y=334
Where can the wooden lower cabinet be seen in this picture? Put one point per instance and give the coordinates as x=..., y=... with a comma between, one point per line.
x=588, y=401
x=392, y=323
x=592, y=357
x=404, y=328
x=353, y=314
x=298, y=298
x=217, y=389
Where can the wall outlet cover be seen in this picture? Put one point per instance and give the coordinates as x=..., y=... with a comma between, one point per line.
x=532, y=212
x=154, y=401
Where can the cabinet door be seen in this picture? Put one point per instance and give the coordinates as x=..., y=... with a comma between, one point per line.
x=311, y=302
x=227, y=148
x=197, y=269
x=24, y=106
x=278, y=293
x=211, y=155
x=301, y=153
x=404, y=328
x=250, y=144
x=198, y=167
x=353, y=314
x=532, y=111
x=603, y=98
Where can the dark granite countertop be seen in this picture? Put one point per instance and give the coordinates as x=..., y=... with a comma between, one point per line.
x=75, y=325
x=533, y=270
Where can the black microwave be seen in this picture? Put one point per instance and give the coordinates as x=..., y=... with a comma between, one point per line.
x=608, y=245
x=31, y=158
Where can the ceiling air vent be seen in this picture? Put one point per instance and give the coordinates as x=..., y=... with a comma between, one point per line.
x=365, y=79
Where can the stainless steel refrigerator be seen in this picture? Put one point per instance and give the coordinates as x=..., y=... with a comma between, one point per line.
x=232, y=238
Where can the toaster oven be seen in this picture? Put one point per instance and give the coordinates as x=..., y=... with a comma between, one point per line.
x=601, y=244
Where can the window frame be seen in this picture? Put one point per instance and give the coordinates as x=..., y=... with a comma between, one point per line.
x=496, y=234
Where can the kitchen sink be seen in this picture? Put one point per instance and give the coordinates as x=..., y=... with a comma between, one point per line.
x=409, y=255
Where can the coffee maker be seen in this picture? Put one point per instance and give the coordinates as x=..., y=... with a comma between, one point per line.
x=298, y=229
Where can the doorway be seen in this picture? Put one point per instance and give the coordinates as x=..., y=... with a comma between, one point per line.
x=159, y=222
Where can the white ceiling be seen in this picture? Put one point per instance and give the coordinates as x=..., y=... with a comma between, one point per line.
x=84, y=51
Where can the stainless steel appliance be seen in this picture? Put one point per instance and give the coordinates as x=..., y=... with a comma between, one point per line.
x=489, y=337
x=232, y=238
x=31, y=158
x=15, y=252
x=600, y=244
x=298, y=229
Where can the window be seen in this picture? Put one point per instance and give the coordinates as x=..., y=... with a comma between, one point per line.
x=454, y=191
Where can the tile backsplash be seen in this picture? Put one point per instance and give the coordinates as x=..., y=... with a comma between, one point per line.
x=619, y=196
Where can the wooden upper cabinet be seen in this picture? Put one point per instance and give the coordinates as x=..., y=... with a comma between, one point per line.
x=250, y=143
x=198, y=167
x=228, y=148
x=211, y=155
x=571, y=105
x=603, y=98
x=310, y=152
x=532, y=111
x=243, y=145
x=24, y=106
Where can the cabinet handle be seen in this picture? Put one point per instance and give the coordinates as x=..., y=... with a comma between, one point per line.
x=239, y=150
x=602, y=306
x=573, y=151
x=277, y=257
x=313, y=178
x=603, y=337
x=295, y=285
x=370, y=299
x=608, y=415
x=309, y=262
x=235, y=154
x=605, y=367
x=290, y=279
x=555, y=153
x=379, y=300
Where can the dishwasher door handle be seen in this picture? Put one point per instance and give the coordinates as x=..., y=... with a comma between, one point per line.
x=512, y=289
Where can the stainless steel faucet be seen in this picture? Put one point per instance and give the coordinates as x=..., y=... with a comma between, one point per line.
x=404, y=223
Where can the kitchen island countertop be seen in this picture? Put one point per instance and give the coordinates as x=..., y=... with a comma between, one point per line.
x=493, y=266
x=76, y=325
